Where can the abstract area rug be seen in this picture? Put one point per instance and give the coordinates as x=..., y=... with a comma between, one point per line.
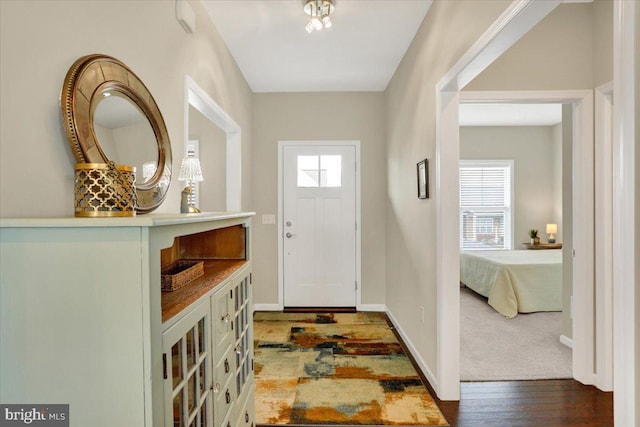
x=336, y=369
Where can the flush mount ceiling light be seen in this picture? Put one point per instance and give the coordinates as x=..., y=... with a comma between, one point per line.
x=318, y=11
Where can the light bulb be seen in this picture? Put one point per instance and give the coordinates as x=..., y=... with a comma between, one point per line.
x=310, y=27
x=316, y=23
x=327, y=21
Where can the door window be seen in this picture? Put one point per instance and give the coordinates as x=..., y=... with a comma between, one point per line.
x=320, y=171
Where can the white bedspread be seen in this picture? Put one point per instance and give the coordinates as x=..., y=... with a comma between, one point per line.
x=515, y=281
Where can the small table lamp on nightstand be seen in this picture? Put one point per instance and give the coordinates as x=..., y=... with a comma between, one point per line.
x=551, y=230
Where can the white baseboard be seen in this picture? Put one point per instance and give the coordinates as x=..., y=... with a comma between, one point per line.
x=414, y=352
x=566, y=341
x=267, y=307
x=372, y=307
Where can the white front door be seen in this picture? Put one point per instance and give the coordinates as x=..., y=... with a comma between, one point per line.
x=319, y=225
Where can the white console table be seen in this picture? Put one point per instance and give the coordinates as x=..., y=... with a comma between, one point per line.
x=83, y=320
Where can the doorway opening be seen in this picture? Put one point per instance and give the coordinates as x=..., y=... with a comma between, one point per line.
x=198, y=102
x=515, y=177
x=582, y=250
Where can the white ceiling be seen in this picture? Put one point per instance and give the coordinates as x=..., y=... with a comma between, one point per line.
x=360, y=52
x=510, y=114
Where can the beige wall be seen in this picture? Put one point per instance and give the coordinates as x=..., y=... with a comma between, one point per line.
x=40, y=40
x=447, y=32
x=602, y=42
x=320, y=117
x=556, y=54
x=532, y=148
x=557, y=160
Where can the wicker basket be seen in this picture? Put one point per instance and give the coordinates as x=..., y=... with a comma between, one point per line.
x=180, y=273
x=104, y=190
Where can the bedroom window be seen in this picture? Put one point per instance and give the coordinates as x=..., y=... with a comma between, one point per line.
x=485, y=204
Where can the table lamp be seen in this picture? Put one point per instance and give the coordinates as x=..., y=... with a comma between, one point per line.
x=551, y=230
x=190, y=172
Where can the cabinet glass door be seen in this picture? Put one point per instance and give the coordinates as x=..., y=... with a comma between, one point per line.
x=187, y=370
x=243, y=339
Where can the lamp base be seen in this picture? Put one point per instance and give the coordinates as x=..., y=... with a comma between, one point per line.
x=552, y=239
x=185, y=207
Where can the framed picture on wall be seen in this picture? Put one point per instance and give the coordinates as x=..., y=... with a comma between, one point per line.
x=423, y=179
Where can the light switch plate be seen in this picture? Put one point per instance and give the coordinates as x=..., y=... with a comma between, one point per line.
x=269, y=219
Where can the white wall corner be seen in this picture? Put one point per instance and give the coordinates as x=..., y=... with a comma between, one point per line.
x=199, y=99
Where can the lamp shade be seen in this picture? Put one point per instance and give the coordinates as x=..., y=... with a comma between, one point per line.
x=552, y=228
x=190, y=170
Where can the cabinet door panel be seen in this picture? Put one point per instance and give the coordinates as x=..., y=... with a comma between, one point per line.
x=245, y=417
x=224, y=368
x=224, y=403
x=223, y=317
x=188, y=369
x=243, y=347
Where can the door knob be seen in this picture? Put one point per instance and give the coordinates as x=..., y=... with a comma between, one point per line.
x=289, y=235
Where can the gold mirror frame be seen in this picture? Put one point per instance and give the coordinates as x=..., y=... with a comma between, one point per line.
x=85, y=84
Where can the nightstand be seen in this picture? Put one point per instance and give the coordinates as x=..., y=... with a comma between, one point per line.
x=542, y=246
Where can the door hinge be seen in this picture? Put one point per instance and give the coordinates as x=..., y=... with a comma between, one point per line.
x=251, y=278
x=164, y=365
x=356, y=285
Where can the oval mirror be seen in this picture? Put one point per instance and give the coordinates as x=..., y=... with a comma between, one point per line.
x=109, y=114
x=125, y=135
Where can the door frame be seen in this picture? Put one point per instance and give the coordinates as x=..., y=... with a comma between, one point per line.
x=317, y=143
x=583, y=202
x=199, y=99
x=603, y=142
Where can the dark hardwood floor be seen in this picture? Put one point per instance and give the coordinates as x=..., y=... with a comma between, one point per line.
x=542, y=403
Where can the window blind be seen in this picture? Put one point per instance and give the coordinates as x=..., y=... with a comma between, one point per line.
x=485, y=205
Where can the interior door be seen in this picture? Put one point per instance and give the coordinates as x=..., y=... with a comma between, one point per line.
x=319, y=225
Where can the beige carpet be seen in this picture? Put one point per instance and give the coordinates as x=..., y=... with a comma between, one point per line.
x=526, y=347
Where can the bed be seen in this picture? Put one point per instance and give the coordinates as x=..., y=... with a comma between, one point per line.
x=515, y=281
